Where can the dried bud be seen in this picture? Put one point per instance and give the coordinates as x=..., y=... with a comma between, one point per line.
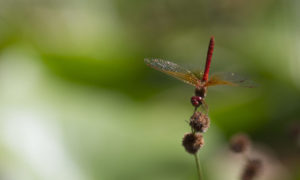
x=294, y=131
x=192, y=142
x=251, y=170
x=239, y=143
x=199, y=122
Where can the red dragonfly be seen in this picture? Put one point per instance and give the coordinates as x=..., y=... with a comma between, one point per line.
x=199, y=80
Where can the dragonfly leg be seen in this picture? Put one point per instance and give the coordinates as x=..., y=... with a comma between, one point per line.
x=205, y=107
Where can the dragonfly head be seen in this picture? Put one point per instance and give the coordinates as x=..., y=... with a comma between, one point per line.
x=196, y=101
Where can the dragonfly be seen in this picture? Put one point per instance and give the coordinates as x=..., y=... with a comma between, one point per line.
x=199, y=80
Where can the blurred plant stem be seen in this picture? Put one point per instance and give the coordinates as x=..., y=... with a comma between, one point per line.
x=199, y=169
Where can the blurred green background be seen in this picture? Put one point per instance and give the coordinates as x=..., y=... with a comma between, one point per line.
x=77, y=101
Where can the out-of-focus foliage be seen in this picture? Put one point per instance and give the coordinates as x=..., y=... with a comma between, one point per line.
x=78, y=102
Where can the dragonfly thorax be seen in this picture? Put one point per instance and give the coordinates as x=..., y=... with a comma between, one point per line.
x=200, y=91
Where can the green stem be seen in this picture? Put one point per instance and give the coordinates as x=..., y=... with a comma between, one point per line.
x=199, y=169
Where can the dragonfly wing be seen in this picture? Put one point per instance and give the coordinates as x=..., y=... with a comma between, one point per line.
x=173, y=70
x=198, y=74
x=231, y=79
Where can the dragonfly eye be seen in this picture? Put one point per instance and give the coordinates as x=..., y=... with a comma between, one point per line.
x=196, y=101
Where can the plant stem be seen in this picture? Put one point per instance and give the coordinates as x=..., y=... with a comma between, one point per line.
x=199, y=169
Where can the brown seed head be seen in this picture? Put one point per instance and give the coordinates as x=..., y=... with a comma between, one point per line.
x=239, y=143
x=294, y=130
x=199, y=122
x=252, y=169
x=192, y=142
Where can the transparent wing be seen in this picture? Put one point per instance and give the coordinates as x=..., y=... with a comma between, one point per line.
x=198, y=74
x=231, y=79
x=174, y=70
